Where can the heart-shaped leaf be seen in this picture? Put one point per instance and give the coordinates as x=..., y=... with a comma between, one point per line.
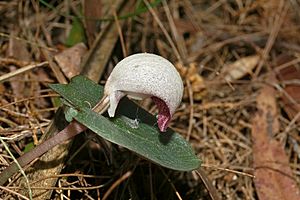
x=141, y=136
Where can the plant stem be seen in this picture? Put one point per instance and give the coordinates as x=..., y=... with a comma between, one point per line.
x=74, y=128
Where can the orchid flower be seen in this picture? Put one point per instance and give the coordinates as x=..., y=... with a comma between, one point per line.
x=141, y=76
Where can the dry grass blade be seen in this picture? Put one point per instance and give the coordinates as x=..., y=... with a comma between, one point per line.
x=115, y=184
x=13, y=192
x=120, y=32
x=277, y=23
x=177, y=37
x=19, y=167
x=208, y=184
x=191, y=121
x=167, y=35
x=7, y=76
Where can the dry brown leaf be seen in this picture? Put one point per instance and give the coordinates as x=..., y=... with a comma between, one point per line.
x=69, y=60
x=184, y=26
x=291, y=99
x=273, y=176
x=240, y=68
x=18, y=50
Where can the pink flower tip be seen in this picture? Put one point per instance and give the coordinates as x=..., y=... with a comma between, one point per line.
x=164, y=115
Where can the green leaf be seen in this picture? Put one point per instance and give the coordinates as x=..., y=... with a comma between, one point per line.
x=80, y=92
x=166, y=149
x=28, y=147
x=77, y=33
x=70, y=113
